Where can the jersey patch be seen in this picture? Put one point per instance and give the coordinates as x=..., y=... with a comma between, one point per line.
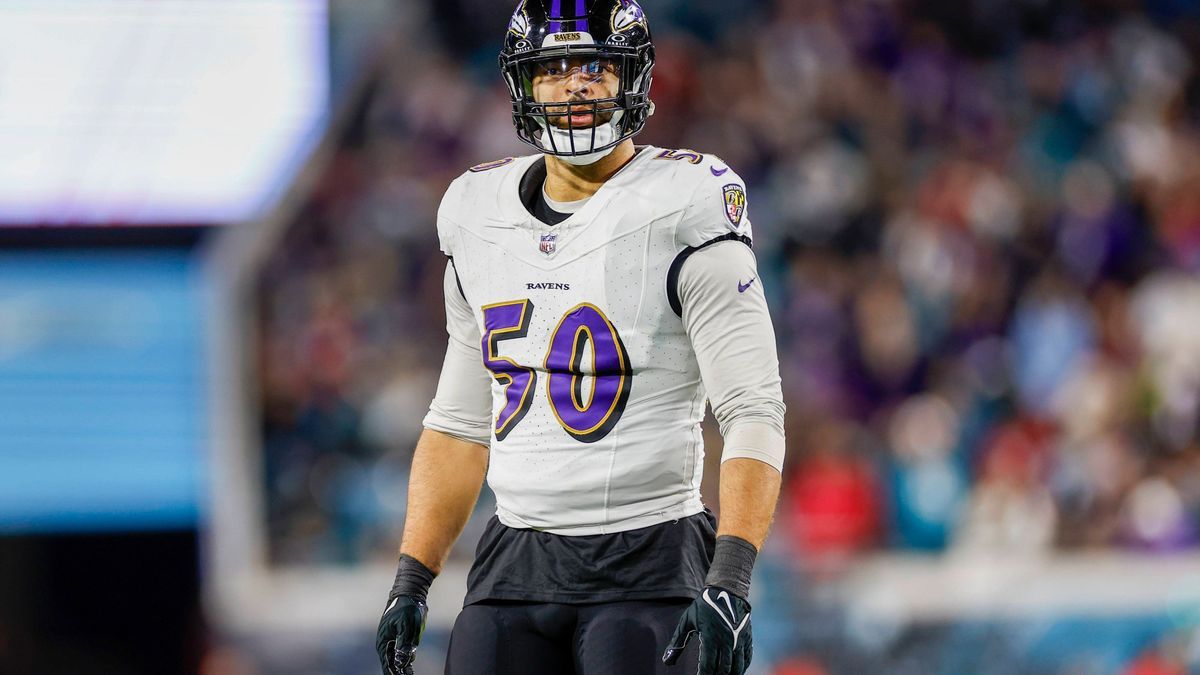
x=491, y=165
x=735, y=204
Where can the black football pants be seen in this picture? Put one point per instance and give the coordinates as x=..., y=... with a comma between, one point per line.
x=615, y=638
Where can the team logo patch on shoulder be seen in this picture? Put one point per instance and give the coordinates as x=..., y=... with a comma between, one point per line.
x=626, y=16
x=548, y=243
x=735, y=204
x=490, y=165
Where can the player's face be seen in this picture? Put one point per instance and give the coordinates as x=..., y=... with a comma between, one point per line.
x=576, y=79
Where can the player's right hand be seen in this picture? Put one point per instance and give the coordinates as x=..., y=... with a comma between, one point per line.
x=400, y=630
x=722, y=620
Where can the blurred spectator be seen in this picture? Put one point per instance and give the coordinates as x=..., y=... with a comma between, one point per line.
x=1011, y=511
x=833, y=499
x=929, y=481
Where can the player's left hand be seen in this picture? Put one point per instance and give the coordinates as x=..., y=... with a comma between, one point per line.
x=722, y=621
x=400, y=630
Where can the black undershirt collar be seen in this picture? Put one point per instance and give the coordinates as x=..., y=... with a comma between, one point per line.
x=534, y=199
x=530, y=190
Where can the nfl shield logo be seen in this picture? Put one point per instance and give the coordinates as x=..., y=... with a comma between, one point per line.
x=547, y=244
x=735, y=204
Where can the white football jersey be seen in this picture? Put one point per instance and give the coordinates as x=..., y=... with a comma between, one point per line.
x=595, y=388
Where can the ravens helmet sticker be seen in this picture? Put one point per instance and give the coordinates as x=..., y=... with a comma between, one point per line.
x=519, y=25
x=626, y=16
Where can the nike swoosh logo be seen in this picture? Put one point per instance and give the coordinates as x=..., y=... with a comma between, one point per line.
x=728, y=620
x=742, y=287
x=714, y=171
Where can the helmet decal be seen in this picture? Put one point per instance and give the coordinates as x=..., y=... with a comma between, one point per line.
x=626, y=16
x=519, y=25
x=572, y=37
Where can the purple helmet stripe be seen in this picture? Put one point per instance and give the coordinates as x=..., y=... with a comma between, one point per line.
x=555, y=13
x=581, y=11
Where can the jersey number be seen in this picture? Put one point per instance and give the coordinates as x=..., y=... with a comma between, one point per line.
x=582, y=326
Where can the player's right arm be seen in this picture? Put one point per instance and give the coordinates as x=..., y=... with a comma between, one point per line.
x=447, y=474
x=451, y=457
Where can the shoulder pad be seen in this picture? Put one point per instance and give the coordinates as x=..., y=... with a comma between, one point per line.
x=476, y=191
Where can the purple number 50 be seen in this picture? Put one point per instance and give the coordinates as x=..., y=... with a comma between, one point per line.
x=583, y=326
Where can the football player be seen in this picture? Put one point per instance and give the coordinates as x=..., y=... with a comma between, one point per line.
x=597, y=295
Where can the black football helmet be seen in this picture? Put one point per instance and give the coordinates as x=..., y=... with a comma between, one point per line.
x=559, y=37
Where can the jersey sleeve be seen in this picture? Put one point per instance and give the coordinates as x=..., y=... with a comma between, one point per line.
x=447, y=217
x=726, y=318
x=462, y=406
x=715, y=212
x=717, y=208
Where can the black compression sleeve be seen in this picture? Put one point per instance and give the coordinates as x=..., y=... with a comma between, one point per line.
x=412, y=578
x=733, y=561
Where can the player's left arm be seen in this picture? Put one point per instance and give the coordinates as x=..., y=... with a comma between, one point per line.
x=725, y=315
x=749, y=491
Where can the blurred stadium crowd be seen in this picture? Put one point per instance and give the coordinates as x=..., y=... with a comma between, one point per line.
x=978, y=223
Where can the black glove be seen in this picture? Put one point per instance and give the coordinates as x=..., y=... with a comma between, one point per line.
x=723, y=621
x=399, y=634
x=403, y=621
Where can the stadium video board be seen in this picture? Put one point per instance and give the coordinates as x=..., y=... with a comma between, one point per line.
x=156, y=111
